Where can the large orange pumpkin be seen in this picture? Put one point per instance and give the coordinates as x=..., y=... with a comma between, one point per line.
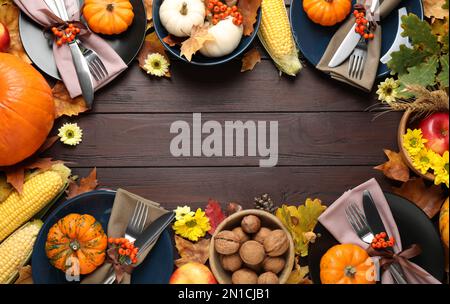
x=347, y=264
x=27, y=110
x=327, y=12
x=76, y=240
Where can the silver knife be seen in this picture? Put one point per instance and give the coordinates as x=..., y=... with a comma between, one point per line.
x=399, y=39
x=80, y=63
x=350, y=41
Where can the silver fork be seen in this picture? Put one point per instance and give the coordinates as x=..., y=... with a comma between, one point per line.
x=358, y=60
x=358, y=221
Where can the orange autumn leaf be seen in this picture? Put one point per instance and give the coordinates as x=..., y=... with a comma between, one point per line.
x=172, y=41
x=250, y=60
x=64, y=104
x=191, y=252
x=25, y=275
x=395, y=168
x=152, y=45
x=249, y=11
x=199, y=36
x=433, y=8
x=86, y=184
x=429, y=199
x=149, y=9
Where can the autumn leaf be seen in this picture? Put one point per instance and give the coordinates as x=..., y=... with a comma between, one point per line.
x=86, y=184
x=5, y=188
x=395, y=168
x=172, y=40
x=429, y=199
x=25, y=275
x=233, y=207
x=191, y=252
x=299, y=274
x=250, y=59
x=199, y=36
x=48, y=143
x=9, y=16
x=434, y=8
x=215, y=214
x=64, y=104
x=249, y=11
x=149, y=9
x=152, y=45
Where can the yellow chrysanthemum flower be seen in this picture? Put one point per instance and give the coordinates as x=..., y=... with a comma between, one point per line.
x=388, y=90
x=192, y=227
x=441, y=169
x=156, y=65
x=70, y=134
x=413, y=141
x=423, y=160
x=181, y=212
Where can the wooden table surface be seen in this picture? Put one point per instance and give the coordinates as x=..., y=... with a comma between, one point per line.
x=328, y=142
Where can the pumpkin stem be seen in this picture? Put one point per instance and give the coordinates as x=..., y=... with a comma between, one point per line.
x=74, y=245
x=110, y=7
x=184, y=9
x=350, y=271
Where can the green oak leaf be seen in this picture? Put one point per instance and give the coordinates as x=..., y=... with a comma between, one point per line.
x=423, y=74
x=420, y=34
x=443, y=75
x=404, y=58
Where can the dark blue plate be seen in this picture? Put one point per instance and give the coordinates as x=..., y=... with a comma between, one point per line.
x=155, y=269
x=312, y=39
x=199, y=59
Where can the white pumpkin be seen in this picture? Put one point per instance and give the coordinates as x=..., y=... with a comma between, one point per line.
x=227, y=38
x=179, y=16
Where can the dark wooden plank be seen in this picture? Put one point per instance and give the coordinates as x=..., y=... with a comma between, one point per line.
x=194, y=186
x=304, y=139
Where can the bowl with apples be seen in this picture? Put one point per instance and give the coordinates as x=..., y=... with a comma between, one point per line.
x=434, y=128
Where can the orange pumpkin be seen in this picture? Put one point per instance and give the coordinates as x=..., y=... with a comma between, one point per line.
x=27, y=110
x=347, y=264
x=108, y=16
x=327, y=12
x=76, y=240
x=443, y=223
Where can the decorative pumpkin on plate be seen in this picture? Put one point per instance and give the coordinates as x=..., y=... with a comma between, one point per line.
x=76, y=240
x=327, y=12
x=27, y=110
x=443, y=223
x=108, y=17
x=347, y=264
x=179, y=16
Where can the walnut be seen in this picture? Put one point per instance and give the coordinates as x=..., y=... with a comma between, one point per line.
x=226, y=242
x=252, y=253
x=276, y=243
x=256, y=268
x=243, y=237
x=251, y=224
x=231, y=262
x=261, y=235
x=268, y=278
x=244, y=276
x=274, y=265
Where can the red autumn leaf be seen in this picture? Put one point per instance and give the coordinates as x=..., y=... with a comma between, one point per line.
x=86, y=184
x=395, y=168
x=429, y=199
x=172, y=40
x=250, y=60
x=215, y=214
x=249, y=11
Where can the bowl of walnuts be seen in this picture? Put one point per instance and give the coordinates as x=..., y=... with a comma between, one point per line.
x=251, y=247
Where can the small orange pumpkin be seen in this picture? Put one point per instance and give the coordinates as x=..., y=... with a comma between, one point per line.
x=108, y=16
x=76, y=240
x=443, y=223
x=27, y=110
x=347, y=264
x=327, y=12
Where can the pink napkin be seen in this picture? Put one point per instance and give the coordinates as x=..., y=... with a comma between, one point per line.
x=39, y=12
x=335, y=221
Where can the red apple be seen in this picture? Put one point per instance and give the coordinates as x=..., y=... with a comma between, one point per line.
x=192, y=273
x=4, y=38
x=435, y=130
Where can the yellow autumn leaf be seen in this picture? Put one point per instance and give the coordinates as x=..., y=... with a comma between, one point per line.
x=199, y=36
x=299, y=274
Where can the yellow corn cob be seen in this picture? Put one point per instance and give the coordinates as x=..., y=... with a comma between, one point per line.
x=37, y=192
x=16, y=249
x=276, y=36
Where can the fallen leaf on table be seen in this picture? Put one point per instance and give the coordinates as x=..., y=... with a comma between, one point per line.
x=64, y=104
x=249, y=11
x=395, y=168
x=429, y=199
x=149, y=9
x=9, y=16
x=434, y=8
x=86, y=184
x=152, y=45
x=49, y=142
x=191, y=252
x=171, y=40
x=199, y=36
x=300, y=221
x=25, y=275
x=299, y=274
x=5, y=188
x=250, y=59
x=215, y=215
